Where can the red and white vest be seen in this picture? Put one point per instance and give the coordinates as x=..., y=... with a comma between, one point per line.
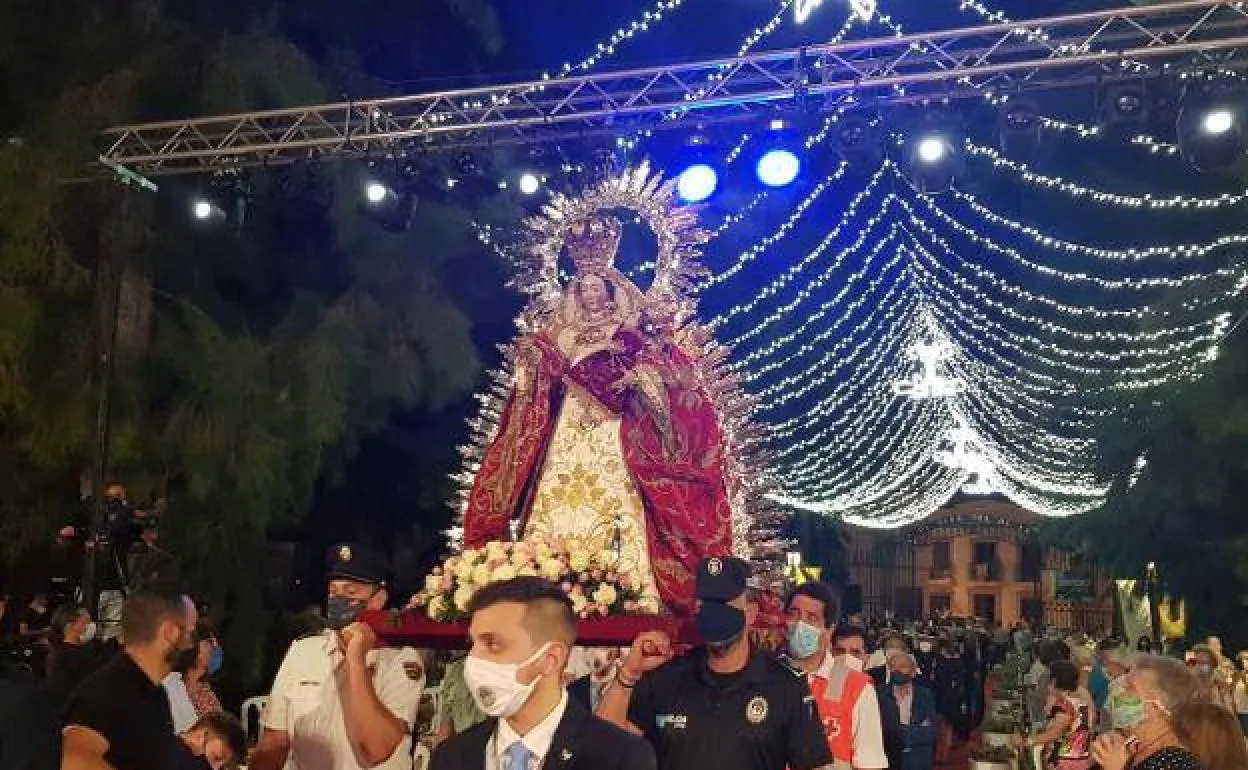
x=836, y=690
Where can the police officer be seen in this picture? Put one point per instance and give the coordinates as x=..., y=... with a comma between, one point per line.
x=723, y=705
x=338, y=703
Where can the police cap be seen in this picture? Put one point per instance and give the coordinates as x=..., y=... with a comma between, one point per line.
x=350, y=561
x=721, y=578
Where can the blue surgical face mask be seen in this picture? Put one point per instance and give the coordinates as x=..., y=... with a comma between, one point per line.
x=899, y=679
x=803, y=640
x=215, y=659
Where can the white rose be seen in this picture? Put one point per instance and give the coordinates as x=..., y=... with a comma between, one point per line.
x=579, y=602
x=648, y=605
x=605, y=594
x=578, y=561
x=505, y=572
x=552, y=569
x=437, y=608
x=528, y=570
x=463, y=573
x=607, y=559
x=519, y=557
x=462, y=597
x=481, y=574
x=470, y=557
x=451, y=565
x=433, y=584
x=495, y=550
x=544, y=552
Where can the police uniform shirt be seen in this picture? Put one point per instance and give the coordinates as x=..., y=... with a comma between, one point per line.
x=306, y=704
x=762, y=718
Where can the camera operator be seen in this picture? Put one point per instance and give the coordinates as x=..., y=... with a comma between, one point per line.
x=112, y=546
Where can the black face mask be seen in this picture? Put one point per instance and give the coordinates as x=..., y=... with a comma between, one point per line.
x=341, y=611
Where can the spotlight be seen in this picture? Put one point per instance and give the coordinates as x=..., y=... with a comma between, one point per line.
x=699, y=178
x=1218, y=121
x=1124, y=106
x=1211, y=127
x=931, y=149
x=697, y=183
x=204, y=210
x=377, y=193
x=529, y=183
x=858, y=138
x=932, y=155
x=779, y=161
x=389, y=198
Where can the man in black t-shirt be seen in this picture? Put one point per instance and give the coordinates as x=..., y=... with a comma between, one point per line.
x=120, y=714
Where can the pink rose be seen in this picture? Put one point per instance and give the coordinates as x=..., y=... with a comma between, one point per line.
x=566, y=587
x=603, y=609
x=596, y=574
x=447, y=583
x=612, y=577
x=630, y=606
x=583, y=577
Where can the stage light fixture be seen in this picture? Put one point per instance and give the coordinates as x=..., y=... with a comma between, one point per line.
x=1124, y=106
x=858, y=138
x=1210, y=129
x=778, y=161
x=389, y=196
x=529, y=183
x=1018, y=126
x=932, y=155
x=205, y=210
x=697, y=182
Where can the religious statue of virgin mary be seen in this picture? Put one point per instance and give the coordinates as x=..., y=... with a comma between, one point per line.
x=608, y=432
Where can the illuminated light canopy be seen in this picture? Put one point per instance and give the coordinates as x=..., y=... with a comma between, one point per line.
x=697, y=183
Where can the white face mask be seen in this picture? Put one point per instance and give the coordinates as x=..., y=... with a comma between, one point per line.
x=88, y=633
x=494, y=686
x=852, y=662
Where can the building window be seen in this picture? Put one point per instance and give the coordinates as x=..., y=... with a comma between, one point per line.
x=1031, y=609
x=1031, y=562
x=984, y=553
x=940, y=555
x=940, y=603
x=986, y=607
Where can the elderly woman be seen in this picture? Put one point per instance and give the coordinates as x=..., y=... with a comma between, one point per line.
x=1144, y=738
x=1067, y=730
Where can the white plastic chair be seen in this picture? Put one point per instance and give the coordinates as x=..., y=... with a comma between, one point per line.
x=255, y=705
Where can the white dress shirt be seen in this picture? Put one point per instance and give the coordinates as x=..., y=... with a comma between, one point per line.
x=537, y=740
x=905, y=702
x=306, y=704
x=180, y=706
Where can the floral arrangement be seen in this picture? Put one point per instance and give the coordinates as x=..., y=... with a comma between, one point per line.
x=592, y=579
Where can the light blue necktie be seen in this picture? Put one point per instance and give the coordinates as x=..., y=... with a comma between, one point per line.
x=518, y=756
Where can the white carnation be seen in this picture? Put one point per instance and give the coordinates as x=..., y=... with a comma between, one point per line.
x=462, y=596
x=505, y=572
x=605, y=594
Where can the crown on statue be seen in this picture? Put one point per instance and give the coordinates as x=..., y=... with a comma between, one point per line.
x=593, y=242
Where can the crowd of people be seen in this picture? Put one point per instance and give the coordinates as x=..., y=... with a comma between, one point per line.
x=815, y=690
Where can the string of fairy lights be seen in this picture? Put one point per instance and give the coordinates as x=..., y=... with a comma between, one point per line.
x=1032, y=327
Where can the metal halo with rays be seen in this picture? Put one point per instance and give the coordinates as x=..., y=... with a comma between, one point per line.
x=654, y=201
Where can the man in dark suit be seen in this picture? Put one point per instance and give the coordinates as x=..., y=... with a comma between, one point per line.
x=522, y=631
x=908, y=712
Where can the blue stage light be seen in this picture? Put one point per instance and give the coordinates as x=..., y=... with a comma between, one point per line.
x=697, y=183
x=778, y=167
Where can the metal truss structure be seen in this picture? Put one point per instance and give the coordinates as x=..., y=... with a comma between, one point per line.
x=1079, y=49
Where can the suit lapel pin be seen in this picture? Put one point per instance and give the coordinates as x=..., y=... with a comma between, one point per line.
x=566, y=755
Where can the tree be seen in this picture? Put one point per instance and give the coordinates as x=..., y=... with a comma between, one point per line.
x=1179, y=473
x=251, y=358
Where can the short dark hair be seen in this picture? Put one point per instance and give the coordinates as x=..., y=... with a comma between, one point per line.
x=1064, y=675
x=849, y=632
x=228, y=728
x=540, y=597
x=144, y=611
x=822, y=593
x=63, y=616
